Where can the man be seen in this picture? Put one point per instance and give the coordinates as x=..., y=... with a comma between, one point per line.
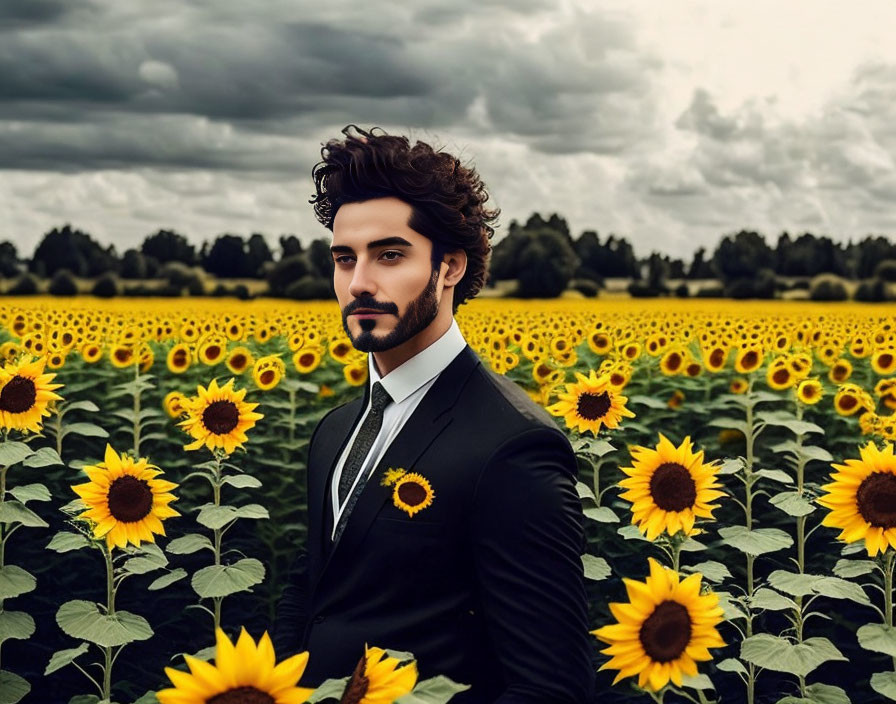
x=443, y=518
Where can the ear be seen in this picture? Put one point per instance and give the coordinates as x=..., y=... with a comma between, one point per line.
x=456, y=263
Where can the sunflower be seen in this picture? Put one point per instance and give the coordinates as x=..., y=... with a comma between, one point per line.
x=779, y=375
x=307, y=359
x=377, y=679
x=412, y=493
x=591, y=403
x=862, y=499
x=219, y=417
x=672, y=362
x=840, y=371
x=669, y=487
x=664, y=629
x=242, y=673
x=884, y=361
x=739, y=385
x=267, y=372
x=173, y=403
x=355, y=374
x=125, y=500
x=714, y=358
x=179, y=358
x=748, y=359
x=599, y=342
x=211, y=349
x=239, y=359
x=340, y=349
x=122, y=355
x=851, y=398
x=809, y=391
x=25, y=392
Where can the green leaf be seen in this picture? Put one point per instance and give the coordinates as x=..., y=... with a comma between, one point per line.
x=691, y=545
x=813, y=452
x=17, y=512
x=776, y=475
x=732, y=665
x=584, y=491
x=853, y=568
x=826, y=694
x=701, y=682
x=61, y=658
x=436, y=690
x=837, y=588
x=792, y=503
x=631, y=532
x=884, y=683
x=776, y=653
x=596, y=568
x=44, y=457
x=215, y=517
x=148, y=698
x=83, y=620
x=713, y=571
x=188, y=544
x=242, y=481
x=601, y=514
x=141, y=565
x=648, y=401
x=12, y=687
x=592, y=446
x=328, y=689
x=31, y=492
x=14, y=581
x=755, y=542
x=878, y=638
x=786, y=419
x=771, y=601
x=730, y=423
x=15, y=624
x=79, y=406
x=792, y=583
x=90, y=430
x=731, y=466
x=65, y=542
x=12, y=452
x=168, y=579
x=88, y=699
x=731, y=609
x=221, y=580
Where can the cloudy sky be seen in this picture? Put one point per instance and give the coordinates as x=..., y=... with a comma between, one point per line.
x=670, y=122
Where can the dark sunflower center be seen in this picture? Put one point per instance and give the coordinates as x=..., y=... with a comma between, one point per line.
x=306, y=359
x=357, y=685
x=593, y=406
x=717, y=357
x=848, y=402
x=666, y=632
x=781, y=376
x=876, y=499
x=672, y=487
x=18, y=395
x=238, y=361
x=241, y=695
x=130, y=499
x=267, y=376
x=220, y=417
x=412, y=493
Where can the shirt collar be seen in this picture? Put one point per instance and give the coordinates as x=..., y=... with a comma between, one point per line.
x=404, y=380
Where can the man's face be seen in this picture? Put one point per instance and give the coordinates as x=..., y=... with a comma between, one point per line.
x=384, y=266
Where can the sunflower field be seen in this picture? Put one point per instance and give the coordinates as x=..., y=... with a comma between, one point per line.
x=736, y=471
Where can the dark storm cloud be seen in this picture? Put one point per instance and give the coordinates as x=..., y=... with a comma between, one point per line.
x=288, y=72
x=23, y=13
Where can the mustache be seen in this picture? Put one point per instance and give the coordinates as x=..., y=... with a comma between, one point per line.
x=362, y=303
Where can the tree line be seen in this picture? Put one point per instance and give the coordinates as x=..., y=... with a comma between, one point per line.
x=540, y=256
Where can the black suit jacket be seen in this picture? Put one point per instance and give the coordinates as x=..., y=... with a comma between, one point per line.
x=486, y=584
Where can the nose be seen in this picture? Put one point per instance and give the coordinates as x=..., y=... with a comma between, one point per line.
x=361, y=282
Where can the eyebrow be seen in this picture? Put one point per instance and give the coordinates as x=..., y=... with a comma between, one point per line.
x=385, y=242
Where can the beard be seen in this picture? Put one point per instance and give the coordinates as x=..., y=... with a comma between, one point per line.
x=420, y=313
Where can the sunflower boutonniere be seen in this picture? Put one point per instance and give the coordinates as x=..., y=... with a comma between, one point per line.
x=411, y=492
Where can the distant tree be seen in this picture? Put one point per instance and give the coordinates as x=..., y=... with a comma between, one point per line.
x=105, y=287
x=257, y=255
x=289, y=246
x=320, y=258
x=587, y=249
x=169, y=246
x=701, y=269
x=309, y=288
x=63, y=284
x=72, y=249
x=886, y=270
x=742, y=256
x=871, y=291
x=828, y=288
x=227, y=258
x=9, y=260
x=547, y=264
x=617, y=259
x=133, y=265
x=504, y=262
x=25, y=286
x=866, y=254
x=809, y=255
x=285, y=272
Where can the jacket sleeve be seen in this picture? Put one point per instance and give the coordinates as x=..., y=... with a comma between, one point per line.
x=527, y=537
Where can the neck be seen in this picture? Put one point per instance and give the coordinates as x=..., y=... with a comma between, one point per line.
x=387, y=360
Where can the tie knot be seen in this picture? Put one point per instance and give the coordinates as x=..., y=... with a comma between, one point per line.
x=379, y=397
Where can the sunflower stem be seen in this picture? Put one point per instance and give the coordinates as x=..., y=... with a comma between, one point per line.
x=110, y=610
x=136, y=410
x=292, y=415
x=218, y=533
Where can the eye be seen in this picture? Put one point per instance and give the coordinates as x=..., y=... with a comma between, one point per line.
x=398, y=255
x=340, y=258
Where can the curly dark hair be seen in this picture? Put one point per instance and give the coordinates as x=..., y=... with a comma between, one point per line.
x=447, y=198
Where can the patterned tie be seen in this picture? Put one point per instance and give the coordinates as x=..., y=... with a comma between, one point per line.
x=370, y=428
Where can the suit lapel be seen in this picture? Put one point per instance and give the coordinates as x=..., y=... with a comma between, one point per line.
x=427, y=421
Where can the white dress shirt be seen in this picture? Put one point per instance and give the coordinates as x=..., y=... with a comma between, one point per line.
x=407, y=385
